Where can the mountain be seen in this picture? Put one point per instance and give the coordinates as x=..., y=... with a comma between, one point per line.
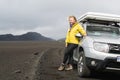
x=61, y=40
x=30, y=36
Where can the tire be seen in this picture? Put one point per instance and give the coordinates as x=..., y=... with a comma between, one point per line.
x=83, y=70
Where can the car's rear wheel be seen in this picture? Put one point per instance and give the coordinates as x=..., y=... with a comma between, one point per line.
x=83, y=70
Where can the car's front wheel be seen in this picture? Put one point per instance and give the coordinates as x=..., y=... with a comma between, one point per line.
x=83, y=70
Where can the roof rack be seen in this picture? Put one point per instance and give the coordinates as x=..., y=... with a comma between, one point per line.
x=99, y=17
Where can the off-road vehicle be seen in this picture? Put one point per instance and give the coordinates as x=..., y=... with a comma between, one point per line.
x=100, y=49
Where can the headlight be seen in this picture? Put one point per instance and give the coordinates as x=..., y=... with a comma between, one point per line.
x=102, y=47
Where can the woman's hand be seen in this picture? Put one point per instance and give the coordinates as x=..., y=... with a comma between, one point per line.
x=66, y=45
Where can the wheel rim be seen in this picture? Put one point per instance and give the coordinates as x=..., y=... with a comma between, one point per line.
x=80, y=64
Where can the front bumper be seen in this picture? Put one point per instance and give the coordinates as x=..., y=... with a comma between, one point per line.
x=96, y=64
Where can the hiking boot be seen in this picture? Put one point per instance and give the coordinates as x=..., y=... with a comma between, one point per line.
x=69, y=67
x=62, y=67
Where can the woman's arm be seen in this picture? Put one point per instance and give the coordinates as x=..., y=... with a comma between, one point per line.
x=81, y=30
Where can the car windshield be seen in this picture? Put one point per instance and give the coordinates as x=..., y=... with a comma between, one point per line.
x=106, y=31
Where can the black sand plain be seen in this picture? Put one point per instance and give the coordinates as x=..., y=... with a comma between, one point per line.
x=27, y=60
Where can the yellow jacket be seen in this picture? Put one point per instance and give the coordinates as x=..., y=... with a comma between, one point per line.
x=71, y=33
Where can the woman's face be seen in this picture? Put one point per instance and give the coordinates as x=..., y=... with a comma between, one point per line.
x=72, y=21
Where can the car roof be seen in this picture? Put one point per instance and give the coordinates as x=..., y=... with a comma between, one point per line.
x=99, y=17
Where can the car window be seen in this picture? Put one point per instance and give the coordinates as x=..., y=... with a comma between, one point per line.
x=109, y=31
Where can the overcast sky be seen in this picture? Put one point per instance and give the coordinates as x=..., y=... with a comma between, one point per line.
x=48, y=17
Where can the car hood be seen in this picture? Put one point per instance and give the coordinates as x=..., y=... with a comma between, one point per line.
x=106, y=39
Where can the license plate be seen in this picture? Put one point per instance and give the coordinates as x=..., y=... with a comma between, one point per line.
x=118, y=59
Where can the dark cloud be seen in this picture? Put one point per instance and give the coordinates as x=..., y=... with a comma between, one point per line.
x=48, y=17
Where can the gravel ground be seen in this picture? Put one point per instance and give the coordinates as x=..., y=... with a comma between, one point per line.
x=19, y=60
x=49, y=62
x=39, y=61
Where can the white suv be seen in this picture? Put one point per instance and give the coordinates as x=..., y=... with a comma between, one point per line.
x=100, y=49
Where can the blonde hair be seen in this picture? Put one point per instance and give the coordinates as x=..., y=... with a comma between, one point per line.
x=73, y=18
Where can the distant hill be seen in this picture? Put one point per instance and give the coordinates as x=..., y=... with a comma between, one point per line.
x=61, y=40
x=30, y=36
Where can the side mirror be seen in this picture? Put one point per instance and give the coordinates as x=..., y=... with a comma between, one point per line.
x=79, y=35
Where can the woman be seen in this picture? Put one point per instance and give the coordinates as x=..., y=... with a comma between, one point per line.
x=71, y=43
